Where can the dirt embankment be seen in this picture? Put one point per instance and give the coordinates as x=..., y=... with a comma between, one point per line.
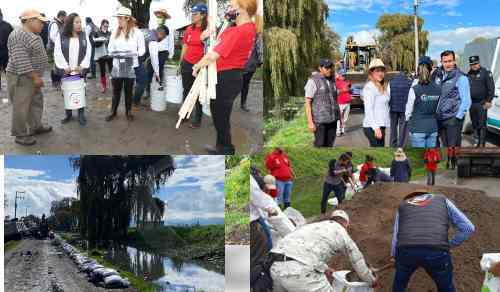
x=372, y=216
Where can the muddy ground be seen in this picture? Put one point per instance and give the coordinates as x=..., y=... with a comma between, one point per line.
x=45, y=270
x=372, y=214
x=150, y=133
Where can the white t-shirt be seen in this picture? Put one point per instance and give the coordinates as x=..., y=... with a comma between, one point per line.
x=376, y=106
x=74, y=48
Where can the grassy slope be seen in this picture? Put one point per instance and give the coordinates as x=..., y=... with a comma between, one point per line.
x=294, y=133
x=310, y=165
x=237, y=188
x=11, y=244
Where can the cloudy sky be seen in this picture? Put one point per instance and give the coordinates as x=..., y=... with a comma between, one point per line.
x=195, y=192
x=451, y=23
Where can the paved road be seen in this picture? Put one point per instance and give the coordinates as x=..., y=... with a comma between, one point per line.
x=490, y=185
x=150, y=133
x=38, y=266
x=354, y=134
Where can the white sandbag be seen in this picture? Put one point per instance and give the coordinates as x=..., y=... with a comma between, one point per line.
x=115, y=281
x=174, y=89
x=490, y=283
x=158, y=101
x=295, y=216
x=281, y=223
x=340, y=283
x=333, y=202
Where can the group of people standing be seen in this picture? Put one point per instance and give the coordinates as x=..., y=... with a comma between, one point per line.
x=132, y=55
x=428, y=111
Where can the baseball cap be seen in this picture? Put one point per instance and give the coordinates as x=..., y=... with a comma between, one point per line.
x=340, y=213
x=200, y=7
x=32, y=13
x=325, y=63
x=425, y=60
x=473, y=60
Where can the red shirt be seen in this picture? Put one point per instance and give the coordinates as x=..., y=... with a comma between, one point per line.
x=343, y=86
x=235, y=46
x=278, y=164
x=195, y=47
x=432, y=158
x=364, y=168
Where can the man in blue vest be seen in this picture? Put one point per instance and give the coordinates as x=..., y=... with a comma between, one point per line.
x=399, y=89
x=482, y=91
x=420, y=238
x=454, y=101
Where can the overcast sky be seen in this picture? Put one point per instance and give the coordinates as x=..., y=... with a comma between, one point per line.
x=194, y=192
x=452, y=23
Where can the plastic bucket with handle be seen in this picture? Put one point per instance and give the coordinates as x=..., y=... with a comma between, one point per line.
x=340, y=283
x=158, y=102
x=174, y=89
x=73, y=88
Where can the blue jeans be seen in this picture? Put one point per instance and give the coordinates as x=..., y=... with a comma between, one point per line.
x=423, y=140
x=284, y=191
x=141, y=79
x=267, y=231
x=437, y=264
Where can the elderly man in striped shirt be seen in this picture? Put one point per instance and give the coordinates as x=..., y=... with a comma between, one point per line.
x=27, y=63
x=420, y=238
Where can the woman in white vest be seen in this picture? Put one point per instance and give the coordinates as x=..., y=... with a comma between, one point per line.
x=125, y=45
x=72, y=52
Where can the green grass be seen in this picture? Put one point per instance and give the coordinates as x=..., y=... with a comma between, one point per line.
x=237, y=196
x=310, y=166
x=294, y=132
x=10, y=245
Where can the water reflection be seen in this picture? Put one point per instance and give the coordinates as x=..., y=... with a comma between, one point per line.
x=170, y=274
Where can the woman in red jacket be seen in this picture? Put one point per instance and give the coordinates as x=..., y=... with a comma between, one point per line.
x=231, y=53
x=193, y=50
x=279, y=166
x=364, y=169
x=432, y=157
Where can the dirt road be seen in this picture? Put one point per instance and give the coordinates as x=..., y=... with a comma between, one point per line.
x=354, y=134
x=150, y=133
x=38, y=266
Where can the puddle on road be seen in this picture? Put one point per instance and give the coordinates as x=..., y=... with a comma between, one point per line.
x=169, y=274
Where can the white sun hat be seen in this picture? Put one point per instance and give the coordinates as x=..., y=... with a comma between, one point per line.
x=123, y=11
x=340, y=213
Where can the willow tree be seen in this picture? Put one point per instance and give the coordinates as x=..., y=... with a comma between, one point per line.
x=293, y=41
x=140, y=9
x=107, y=188
x=397, y=40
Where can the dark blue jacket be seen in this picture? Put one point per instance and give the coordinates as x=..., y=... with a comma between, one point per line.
x=401, y=170
x=399, y=87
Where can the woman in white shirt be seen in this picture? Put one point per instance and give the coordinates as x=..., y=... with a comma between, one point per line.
x=72, y=52
x=125, y=45
x=376, y=95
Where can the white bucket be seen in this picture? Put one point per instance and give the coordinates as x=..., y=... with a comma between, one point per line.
x=158, y=101
x=340, y=284
x=74, y=93
x=174, y=89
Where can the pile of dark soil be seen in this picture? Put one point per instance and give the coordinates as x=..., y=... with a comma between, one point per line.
x=372, y=214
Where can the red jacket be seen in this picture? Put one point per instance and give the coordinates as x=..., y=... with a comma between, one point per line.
x=344, y=87
x=364, y=168
x=432, y=157
x=278, y=165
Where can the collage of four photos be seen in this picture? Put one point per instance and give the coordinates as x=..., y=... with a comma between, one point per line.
x=250, y=145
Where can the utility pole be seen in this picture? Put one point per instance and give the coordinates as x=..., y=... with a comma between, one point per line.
x=415, y=7
x=18, y=197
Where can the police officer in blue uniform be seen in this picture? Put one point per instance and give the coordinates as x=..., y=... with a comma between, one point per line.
x=482, y=91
